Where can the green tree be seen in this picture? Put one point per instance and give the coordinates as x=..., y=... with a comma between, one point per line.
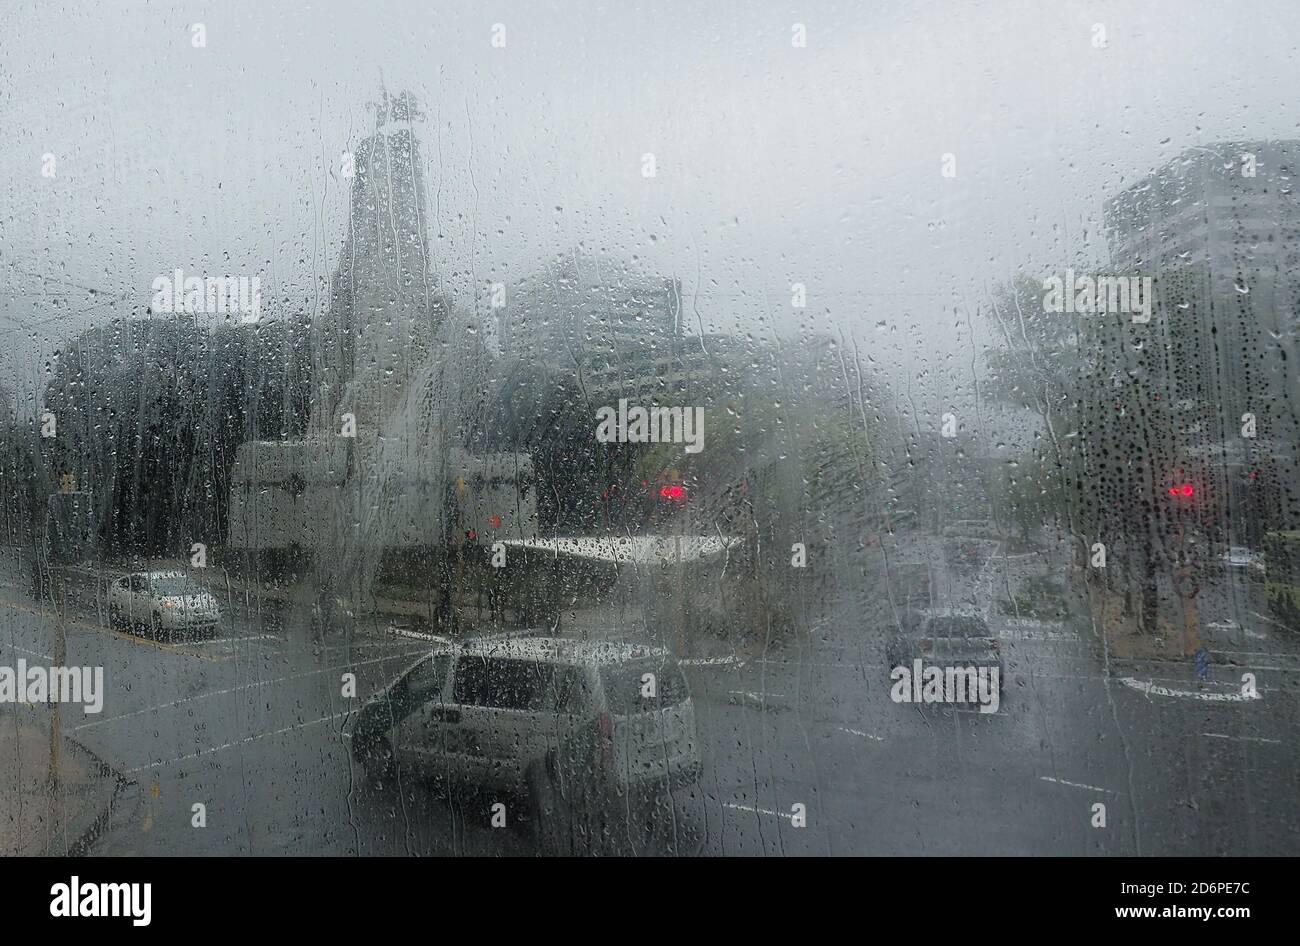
x=151, y=411
x=1038, y=363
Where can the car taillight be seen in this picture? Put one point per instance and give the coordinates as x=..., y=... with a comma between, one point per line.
x=605, y=738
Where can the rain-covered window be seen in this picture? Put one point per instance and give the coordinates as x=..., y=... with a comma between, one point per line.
x=687, y=429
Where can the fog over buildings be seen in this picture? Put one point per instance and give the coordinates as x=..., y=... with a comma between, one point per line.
x=774, y=164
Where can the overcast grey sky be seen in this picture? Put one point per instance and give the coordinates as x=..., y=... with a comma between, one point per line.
x=775, y=164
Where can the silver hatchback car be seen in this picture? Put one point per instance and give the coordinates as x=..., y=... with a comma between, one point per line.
x=566, y=724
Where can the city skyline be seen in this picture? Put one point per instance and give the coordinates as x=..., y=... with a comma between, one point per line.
x=872, y=228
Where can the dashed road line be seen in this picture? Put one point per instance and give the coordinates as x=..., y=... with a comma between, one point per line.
x=24, y=650
x=237, y=640
x=858, y=732
x=758, y=811
x=245, y=686
x=1061, y=781
x=1264, y=617
x=240, y=742
x=756, y=696
x=78, y=622
x=1219, y=735
x=847, y=665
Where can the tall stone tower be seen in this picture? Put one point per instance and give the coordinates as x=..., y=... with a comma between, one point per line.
x=382, y=309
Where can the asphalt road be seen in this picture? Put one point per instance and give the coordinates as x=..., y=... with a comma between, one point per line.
x=250, y=725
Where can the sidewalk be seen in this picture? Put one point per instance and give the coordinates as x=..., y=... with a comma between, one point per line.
x=32, y=823
x=1172, y=643
x=1125, y=638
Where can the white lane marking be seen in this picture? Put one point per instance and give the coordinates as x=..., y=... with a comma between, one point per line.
x=103, y=629
x=1061, y=781
x=858, y=732
x=1219, y=735
x=1265, y=617
x=769, y=662
x=1031, y=624
x=853, y=667
x=234, y=640
x=708, y=662
x=758, y=697
x=1247, y=653
x=411, y=634
x=1151, y=688
x=245, y=686
x=757, y=811
x=241, y=742
x=24, y=650
x=1031, y=636
x=388, y=641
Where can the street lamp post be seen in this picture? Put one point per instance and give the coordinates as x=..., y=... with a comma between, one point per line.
x=60, y=660
x=58, y=593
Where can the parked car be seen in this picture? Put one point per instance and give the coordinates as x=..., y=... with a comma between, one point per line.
x=566, y=725
x=165, y=602
x=1240, y=560
x=945, y=638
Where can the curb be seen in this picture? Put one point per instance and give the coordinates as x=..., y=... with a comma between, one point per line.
x=80, y=847
x=1118, y=665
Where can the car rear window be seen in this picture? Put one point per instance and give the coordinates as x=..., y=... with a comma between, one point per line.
x=957, y=627
x=174, y=585
x=500, y=683
x=623, y=685
x=570, y=689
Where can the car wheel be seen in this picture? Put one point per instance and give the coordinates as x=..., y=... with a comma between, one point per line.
x=557, y=815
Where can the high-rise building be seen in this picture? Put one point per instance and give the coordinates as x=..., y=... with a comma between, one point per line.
x=383, y=309
x=1218, y=229
x=584, y=310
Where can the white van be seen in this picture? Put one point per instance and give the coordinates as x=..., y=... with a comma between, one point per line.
x=566, y=724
